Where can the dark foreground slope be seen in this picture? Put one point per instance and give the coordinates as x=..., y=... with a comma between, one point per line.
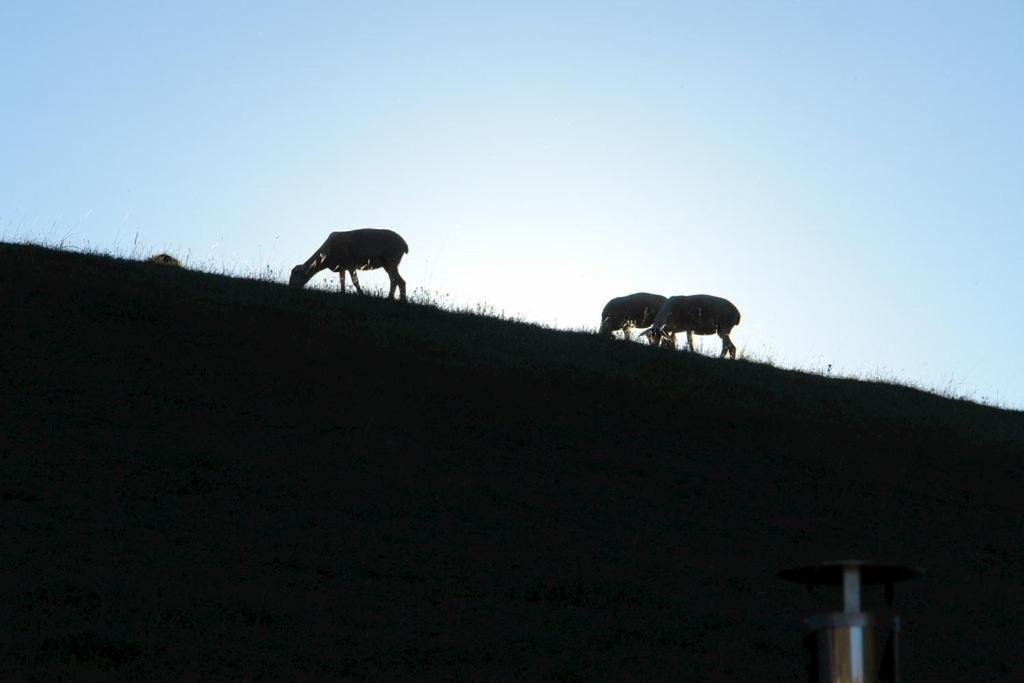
x=204, y=475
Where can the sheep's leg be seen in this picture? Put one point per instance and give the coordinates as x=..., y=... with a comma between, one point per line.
x=670, y=339
x=626, y=332
x=396, y=279
x=727, y=345
x=689, y=340
x=341, y=279
x=355, y=281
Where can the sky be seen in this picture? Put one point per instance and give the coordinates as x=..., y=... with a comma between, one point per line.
x=849, y=174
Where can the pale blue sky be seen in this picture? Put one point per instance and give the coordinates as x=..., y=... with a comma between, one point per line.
x=850, y=174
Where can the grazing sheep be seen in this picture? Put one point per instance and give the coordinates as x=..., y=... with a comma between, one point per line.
x=633, y=310
x=164, y=259
x=696, y=314
x=353, y=250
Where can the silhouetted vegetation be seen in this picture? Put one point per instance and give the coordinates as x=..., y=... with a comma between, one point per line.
x=206, y=476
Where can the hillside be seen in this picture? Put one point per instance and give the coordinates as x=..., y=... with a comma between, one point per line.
x=205, y=475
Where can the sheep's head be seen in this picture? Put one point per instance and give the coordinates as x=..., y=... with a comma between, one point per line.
x=299, y=277
x=653, y=336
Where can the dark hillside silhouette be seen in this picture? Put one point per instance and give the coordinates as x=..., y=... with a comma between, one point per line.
x=220, y=478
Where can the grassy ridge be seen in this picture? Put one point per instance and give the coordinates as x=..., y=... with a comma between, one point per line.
x=220, y=476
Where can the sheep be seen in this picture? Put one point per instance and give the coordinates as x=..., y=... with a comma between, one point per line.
x=164, y=260
x=352, y=250
x=696, y=314
x=633, y=310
